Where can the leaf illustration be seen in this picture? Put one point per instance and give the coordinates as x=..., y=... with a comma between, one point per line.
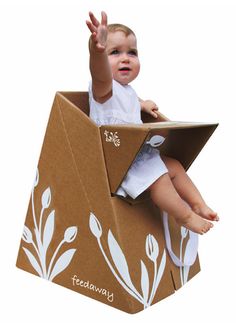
x=46, y=198
x=159, y=274
x=95, y=226
x=33, y=261
x=62, y=262
x=36, y=178
x=70, y=234
x=48, y=230
x=185, y=273
x=190, y=250
x=156, y=141
x=184, y=232
x=27, y=235
x=119, y=260
x=152, y=248
x=144, y=282
x=40, y=246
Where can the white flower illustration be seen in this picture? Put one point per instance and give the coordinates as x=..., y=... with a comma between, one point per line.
x=119, y=261
x=186, y=257
x=43, y=238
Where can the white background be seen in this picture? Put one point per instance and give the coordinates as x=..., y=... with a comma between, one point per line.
x=188, y=55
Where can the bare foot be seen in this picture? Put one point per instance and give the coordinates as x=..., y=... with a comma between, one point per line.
x=205, y=212
x=195, y=223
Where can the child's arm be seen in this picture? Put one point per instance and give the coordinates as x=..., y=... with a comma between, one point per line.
x=149, y=107
x=99, y=64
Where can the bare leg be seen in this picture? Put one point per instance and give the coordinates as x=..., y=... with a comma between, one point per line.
x=187, y=190
x=167, y=198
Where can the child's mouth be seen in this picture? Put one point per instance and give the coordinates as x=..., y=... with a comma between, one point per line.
x=125, y=69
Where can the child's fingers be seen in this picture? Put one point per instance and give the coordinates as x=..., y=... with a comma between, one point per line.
x=154, y=113
x=100, y=47
x=104, y=18
x=91, y=27
x=93, y=19
x=94, y=37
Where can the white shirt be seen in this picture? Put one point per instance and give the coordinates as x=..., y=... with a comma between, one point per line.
x=123, y=107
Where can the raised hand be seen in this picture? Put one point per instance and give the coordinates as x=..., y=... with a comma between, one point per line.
x=98, y=30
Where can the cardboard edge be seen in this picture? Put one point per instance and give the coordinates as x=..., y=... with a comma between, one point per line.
x=213, y=128
x=88, y=121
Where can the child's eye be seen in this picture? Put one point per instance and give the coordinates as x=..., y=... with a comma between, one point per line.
x=133, y=52
x=114, y=52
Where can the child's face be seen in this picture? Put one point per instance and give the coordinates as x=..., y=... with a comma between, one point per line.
x=123, y=56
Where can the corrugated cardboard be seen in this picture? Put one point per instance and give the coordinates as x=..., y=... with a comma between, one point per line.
x=79, y=234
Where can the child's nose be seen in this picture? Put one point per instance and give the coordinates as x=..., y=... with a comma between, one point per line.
x=125, y=57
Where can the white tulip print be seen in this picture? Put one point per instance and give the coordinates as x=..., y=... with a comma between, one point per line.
x=184, y=270
x=120, y=263
x=186, y=257
x=43, y=237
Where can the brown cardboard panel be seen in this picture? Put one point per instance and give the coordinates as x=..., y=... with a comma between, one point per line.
x=58, y=180
x=79, y=236
x=58, y=171
x=148, y=118
x=185, y=143
x=85, y=143
x=78, y=99
x=120, y=145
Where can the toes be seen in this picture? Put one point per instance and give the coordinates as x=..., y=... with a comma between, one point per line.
x=215, y=217
x=207, y=227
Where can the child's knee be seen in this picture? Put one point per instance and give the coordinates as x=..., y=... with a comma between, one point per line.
x=174, y=166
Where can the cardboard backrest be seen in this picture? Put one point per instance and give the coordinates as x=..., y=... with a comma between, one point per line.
x=183, y=140
x=79, y=99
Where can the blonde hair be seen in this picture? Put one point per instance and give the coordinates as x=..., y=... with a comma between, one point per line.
x=120, y=27
x=112, y=28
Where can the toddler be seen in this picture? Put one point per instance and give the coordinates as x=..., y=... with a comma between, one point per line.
x=114, y=63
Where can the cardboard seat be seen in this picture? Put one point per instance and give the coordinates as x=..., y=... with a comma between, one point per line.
x=80, y=235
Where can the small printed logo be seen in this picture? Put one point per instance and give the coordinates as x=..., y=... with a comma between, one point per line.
x=92, y=287
x=112, y=137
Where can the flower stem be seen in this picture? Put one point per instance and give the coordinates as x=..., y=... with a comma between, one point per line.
x=125, y=286
x=33, y=210
x=41, y=253
x=35, y=247
x=39, y=250
x=53, y=258
x=153, y=284
x=40, y=222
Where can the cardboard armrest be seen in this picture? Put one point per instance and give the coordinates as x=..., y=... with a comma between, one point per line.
x=122, y=143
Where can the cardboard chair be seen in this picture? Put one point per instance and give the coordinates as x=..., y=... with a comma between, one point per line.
x=78, y=234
